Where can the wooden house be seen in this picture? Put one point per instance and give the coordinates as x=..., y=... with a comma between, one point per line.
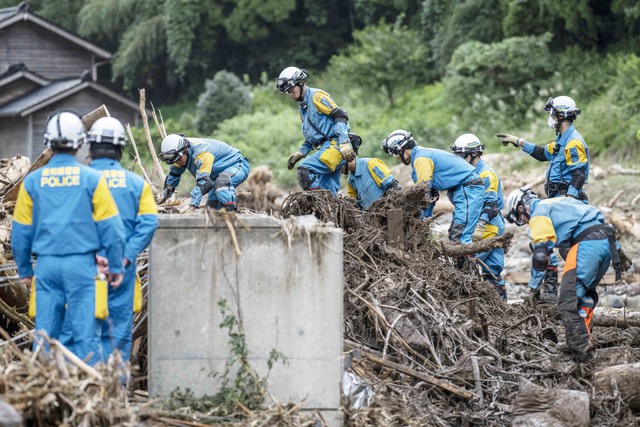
x=44, y=68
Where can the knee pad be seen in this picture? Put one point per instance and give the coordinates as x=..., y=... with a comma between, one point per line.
x=223, y=181
x=304, y=178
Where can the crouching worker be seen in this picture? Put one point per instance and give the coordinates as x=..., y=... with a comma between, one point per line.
x=64, y=215
x=369, y=179
x=441, y=170
x=218, y=168
x=588, y=246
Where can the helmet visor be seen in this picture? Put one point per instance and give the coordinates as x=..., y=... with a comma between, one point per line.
x=171, y=156
x=284, y=85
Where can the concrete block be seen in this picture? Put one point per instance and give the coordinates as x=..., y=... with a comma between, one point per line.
x=288, y=298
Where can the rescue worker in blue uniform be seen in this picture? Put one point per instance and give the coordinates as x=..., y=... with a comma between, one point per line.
x=442, y=171
x=324, y=127
x=369, y=179
x=64, y=215
x=215, y=165
x=491, y=223
x=569, y=161
x=133, y=196
x=588, y=246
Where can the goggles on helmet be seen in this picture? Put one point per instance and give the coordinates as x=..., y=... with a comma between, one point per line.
x=171, y=156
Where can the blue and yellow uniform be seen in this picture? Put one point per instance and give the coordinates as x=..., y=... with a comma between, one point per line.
x=139, y=215
x=369, y=181
x=64, y=215
x=323, y=129
x=446, y=171
x=569, y=162
x=587, y=244
x=493, y=204
x=216, y=166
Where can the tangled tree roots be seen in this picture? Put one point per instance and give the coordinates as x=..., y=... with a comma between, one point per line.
x=408, y=305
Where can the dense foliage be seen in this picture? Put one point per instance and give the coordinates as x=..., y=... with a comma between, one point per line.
x=436, y=67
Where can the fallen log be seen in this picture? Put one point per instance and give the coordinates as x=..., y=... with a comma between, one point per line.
x=457, y=249
x=622, y=380
x=616, y=322
x=539, y=406
x=89, y=119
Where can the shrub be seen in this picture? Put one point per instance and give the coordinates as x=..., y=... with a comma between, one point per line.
x=224, y=96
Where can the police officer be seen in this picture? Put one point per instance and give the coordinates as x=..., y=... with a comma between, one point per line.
x=369, y=179
x=568, y=158
x=491, y=223
x=64, y=215
x=107, y=139
x=568, y=155
x=324, y=127
x=586, y=243
x=441, y=171
x=218, y=168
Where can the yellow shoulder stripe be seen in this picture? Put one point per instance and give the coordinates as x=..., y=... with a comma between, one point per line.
x=493, y=180
x=323, y=102
x=542, y=230
x=579, y=146
x=147, y=202
x=424, y=169
x=351, y=192
x=378, y=170
x=104, y=207
x=23, y=212
x=207, y=160
x=551, y=147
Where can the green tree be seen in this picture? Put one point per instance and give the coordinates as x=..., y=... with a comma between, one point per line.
x=384, y=57
x=224, y=96
x=503, y=77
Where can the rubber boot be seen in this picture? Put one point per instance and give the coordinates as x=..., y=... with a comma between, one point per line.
x=550, y=291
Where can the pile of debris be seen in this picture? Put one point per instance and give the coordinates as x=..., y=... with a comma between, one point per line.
x=436, y=343
x=441, y=348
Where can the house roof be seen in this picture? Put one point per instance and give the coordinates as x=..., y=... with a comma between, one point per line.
x=19, y=71
x=54, y=92
x=11, y=15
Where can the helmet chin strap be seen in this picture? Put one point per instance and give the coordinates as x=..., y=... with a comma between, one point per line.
x=301, y=97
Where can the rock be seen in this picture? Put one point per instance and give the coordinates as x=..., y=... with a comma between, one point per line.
x=616, y=302
x=9, y=416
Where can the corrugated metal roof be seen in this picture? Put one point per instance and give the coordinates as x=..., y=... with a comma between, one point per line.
x=35, y=97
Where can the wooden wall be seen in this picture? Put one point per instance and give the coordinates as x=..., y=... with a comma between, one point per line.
x=42, y=51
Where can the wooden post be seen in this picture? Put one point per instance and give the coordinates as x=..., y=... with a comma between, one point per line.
x=395, y=230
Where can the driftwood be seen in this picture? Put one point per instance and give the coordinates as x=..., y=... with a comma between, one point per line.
x=620, y=380
x=616, y=321
x=12, y=194
x=147, y=132
x=457, y=249
x=12, y=170
x=89, y=119
x=445, y=385
x=539, y=406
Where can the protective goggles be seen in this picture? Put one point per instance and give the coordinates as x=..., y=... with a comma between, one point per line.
x=171, y=156
x=284, y=85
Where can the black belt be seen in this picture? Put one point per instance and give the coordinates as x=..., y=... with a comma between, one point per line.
x=478, y=181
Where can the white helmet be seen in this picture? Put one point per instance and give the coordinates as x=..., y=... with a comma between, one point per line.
x=467, y=144
x=397, y=142
x=107, y=130
x=290, y=77
x=562, y=106
x=64, y=130
x=172, y=148
x=520, y=197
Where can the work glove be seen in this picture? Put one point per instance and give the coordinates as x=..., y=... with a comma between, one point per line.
x=188, y=210
x=507, y=139
x=167, y=192
x=479, y=231
x=347, y=152
x=293, y=159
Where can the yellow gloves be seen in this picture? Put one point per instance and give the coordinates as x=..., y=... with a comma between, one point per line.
x=507, y=139
x=293, y=159
x=347, y=152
